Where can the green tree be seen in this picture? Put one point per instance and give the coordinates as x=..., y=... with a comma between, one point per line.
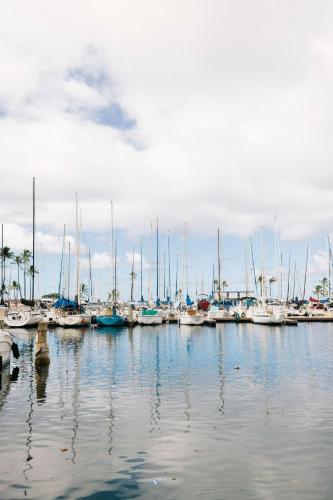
x=261, y=281
x=84, y=291
x=17, y=259
x=5, y=254
x=26, y=257
x=324, y=285
x=318, y=290
x=15, y=287
x=133, y=276
x=114, y=295
x=31, y=273
x=271, y=281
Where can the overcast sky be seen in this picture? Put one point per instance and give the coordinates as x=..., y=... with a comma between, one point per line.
x=218, y=113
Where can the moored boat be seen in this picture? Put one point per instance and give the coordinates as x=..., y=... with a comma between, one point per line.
x=5, y=347
x=22, y=318
x=111, y=318
x=191, y=317
x=150, y=317
x=74, y=320
x=268, y=316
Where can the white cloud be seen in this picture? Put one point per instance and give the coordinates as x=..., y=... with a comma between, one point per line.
x=232, y=104
x=130, y=256
x=19, y=238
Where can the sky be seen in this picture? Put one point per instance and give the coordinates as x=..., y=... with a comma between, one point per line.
x=218, y=114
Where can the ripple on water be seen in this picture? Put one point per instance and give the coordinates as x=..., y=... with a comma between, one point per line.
x=163, y=413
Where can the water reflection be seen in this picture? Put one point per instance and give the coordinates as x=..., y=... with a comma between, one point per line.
x=155, y=401
x=41, y=376
x=137, y=413
x=29, y=353
x=220, y=366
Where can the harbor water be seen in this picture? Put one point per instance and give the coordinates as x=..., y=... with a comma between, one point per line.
x=237, y=412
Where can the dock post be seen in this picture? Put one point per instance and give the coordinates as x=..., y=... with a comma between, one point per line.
x=42, y=351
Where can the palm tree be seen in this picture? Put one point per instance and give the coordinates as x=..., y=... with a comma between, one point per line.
x=26, y=256
x=15, y=286
x=133, y=276
x=318, y=290
x=114, y=295
x=6, y=254
x=261, y=281
x=17, y=259
x=324, y=284
x=31, y=272
x=84, y=291
x=271, y=281
x=224, y=285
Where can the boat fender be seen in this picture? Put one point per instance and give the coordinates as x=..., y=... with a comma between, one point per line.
x=16, y=351
x=243, y=315
x=15, y=373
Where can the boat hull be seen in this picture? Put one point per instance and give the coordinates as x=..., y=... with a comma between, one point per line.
x=150, y=320
x=186, y=319
x=74, y=321
x=266, y=319
x=22, y=320
x=110, y=321
x=217, y=314
x=5, y=347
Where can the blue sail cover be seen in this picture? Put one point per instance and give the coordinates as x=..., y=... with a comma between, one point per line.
x=63, y=303
x=189, y=302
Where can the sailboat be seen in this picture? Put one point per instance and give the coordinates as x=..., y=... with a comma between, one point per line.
x=26, y=316
x=152, y=315
x=5, y=347
x=190, y=316
x=76, y=319
x=265, y=314
x=111, y=316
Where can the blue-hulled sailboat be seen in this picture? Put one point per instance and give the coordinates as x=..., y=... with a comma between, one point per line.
x=111, y=318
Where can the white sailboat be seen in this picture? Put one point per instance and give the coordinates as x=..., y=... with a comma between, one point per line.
x=22, y=318
x=191, y=317
x=150, y=317
x=265, y=314
x=76, y=319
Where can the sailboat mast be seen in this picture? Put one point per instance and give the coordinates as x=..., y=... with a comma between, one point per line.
x=262, y=264
x=90, y=276
x=218, y=264
x=169, y=269
x=329, y=267
x=33, y=239
x=112, y=248
x=164, y=276
x=176, y=292
x=132, y=276
x=115, y=271
x=62, y=260
x=253, y=268
x=69, y=268
x=294, y=281
x=288, y=284
x=157, y=264
x=306, y=271
x=77, y=251
x=186, y=259
x=141, y=274
x=2, y=267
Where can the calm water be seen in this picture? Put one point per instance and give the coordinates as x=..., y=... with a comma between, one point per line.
x=163, y=412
